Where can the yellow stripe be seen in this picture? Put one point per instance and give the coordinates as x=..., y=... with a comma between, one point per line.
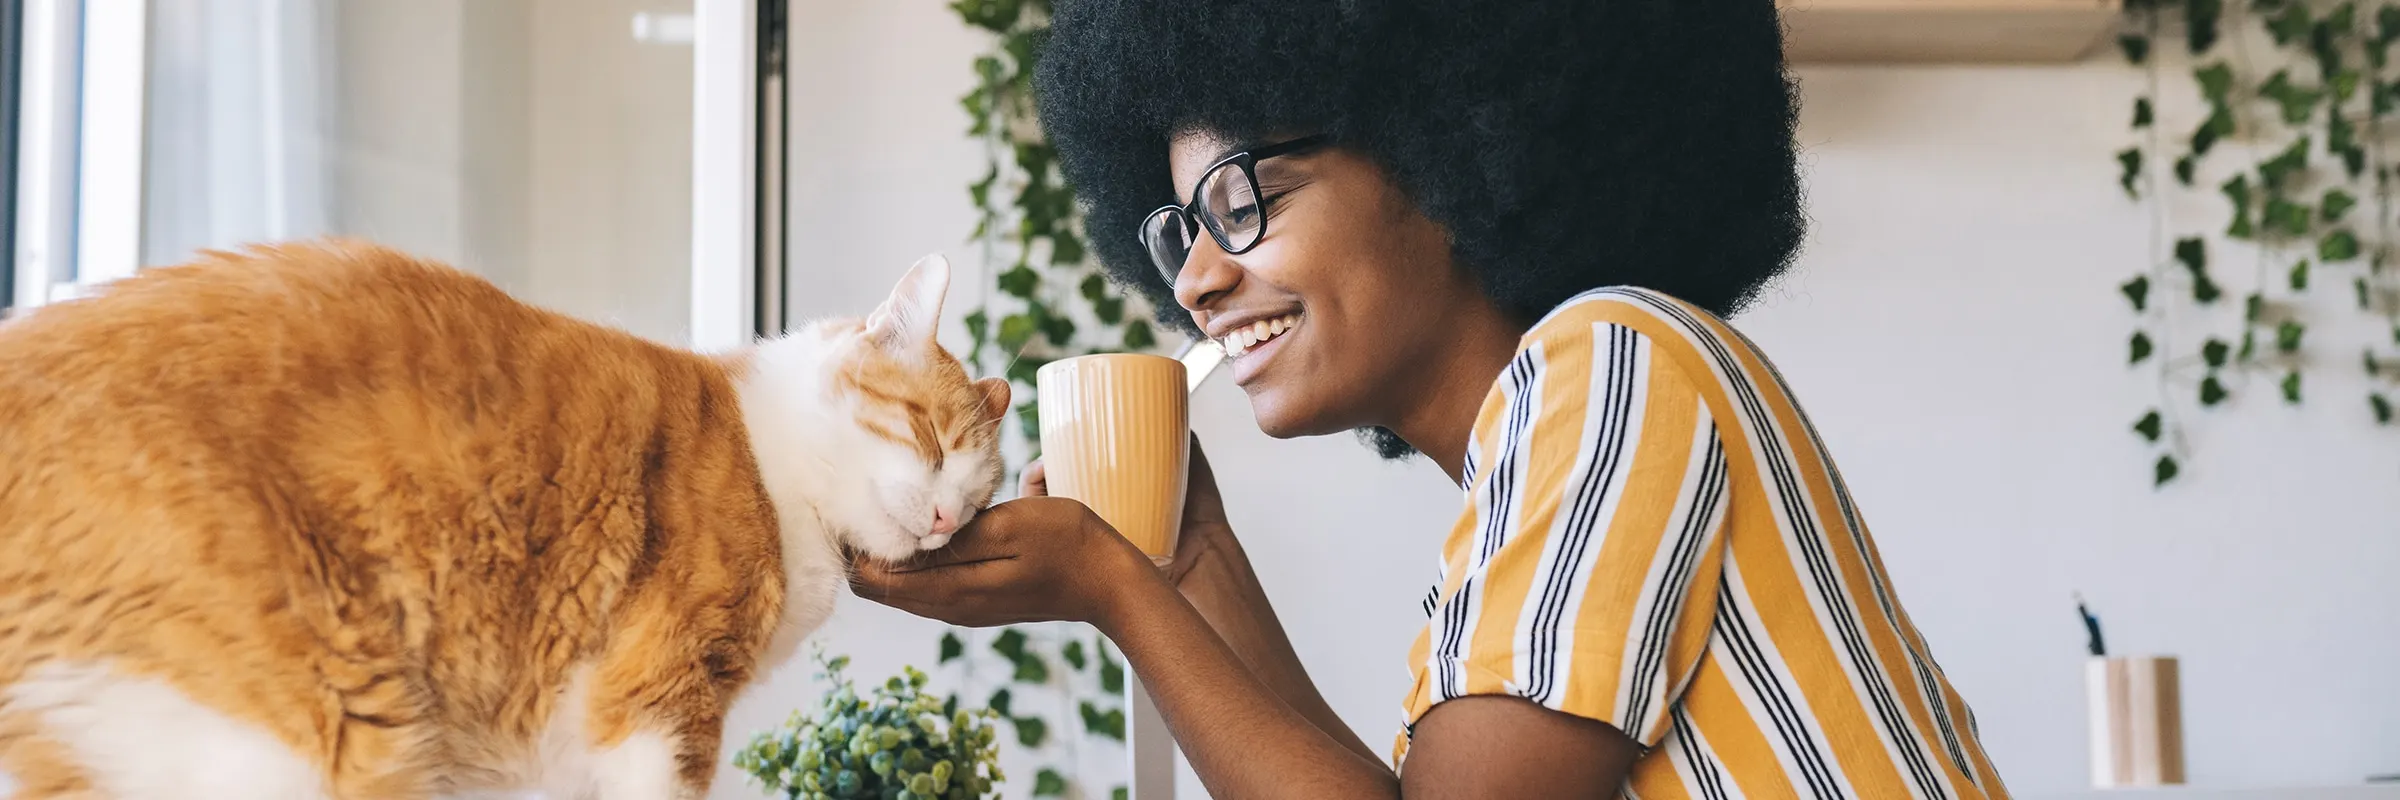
x=1733, y=737
x=1547, y=455
x=1619, y=579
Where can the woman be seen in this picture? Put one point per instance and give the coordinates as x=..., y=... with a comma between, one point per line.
x=1403, y=216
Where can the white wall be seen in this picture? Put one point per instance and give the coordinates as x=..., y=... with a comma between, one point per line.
x=1953, y=328
x=532, y=141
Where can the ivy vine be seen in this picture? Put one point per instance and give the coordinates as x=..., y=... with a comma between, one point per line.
x=2311, y=154
x=1045, y=300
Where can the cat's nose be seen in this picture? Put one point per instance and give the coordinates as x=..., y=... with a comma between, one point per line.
x=944, y=522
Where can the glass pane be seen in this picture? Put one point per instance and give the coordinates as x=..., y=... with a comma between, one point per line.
x=540, y=143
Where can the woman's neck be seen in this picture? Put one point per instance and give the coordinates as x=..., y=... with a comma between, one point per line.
x=1442, y=419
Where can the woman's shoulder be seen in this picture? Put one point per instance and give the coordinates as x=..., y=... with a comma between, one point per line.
x=1657, y=319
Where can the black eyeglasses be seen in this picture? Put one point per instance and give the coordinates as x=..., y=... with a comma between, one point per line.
x=1225, y=201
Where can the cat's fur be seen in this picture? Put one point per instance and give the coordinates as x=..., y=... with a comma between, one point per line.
x=324, y=520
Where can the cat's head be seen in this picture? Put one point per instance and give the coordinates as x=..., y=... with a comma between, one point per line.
x=874, y=428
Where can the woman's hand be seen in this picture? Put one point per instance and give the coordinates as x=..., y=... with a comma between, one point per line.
x=1204, y=529
x=1035, y=559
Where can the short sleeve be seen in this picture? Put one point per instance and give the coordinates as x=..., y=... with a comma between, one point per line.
x=1586, y=565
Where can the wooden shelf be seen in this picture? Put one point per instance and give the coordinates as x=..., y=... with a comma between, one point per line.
x=1944, y=31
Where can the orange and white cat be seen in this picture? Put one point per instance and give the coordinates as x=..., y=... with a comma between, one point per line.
x=326, y=521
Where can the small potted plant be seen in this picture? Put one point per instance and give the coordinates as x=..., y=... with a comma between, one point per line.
x=897, y=743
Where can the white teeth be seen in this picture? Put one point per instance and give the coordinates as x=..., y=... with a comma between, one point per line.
x=1241, y=340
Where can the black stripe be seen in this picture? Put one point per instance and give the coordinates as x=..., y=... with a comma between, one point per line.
x=1789, y=490
x=1497, y=490
x=1785, y=715
x=1755, y=670
x=1616, y=408
x=1697, y=525
x=1705, y=770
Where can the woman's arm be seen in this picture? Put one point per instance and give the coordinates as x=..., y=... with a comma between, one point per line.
x=1214, y=575
x=1220, y=585
x=1042, y=559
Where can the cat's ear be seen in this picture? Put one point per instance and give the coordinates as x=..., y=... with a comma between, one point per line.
x=910, y=316
x=995, y=399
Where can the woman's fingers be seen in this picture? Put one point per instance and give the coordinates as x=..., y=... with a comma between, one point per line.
x=1035, y=482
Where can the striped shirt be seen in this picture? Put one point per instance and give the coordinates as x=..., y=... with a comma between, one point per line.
x=1661, y=543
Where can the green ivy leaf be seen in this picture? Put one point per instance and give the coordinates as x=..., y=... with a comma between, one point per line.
x=1026, y=370
x=2138, y=291
x=2142, y=115
x=2359, y=287
x=1073, y=653
x=1019, y=282
x=1110, y=723
x=2164, y=471
x=1119, y=793
x=1065, y=249
x=2206, y=291
x=979, y=329
x=2335, y=204
x=2214, y=352
x=2287, y=335
x=2382, y=407
x=2345, y=85
x=2129, y=167
x=1010, y=643
x=2212, y=391
x=2291, y=387
x=1029, y=421
x=1015, y=331
x=1109, y=310
x=2354, y=160
x=1031, y=731
x=2149, y=426
x=2290, y=161
x=2140, y=348
x=2285, y=217
x=2193, y=254
x=1055, y=326
x=1093, y=287
x=2218, y=125
x=2387, y=24
x=1112, y=674
x=2379, y=101
x=951, y=647
x=2299, y=276
x=2292, y=24
x=1138, y=337
x=991, y=15
x=2200, y=23
x=2184, y=167
x=2253, y=306
x=2296, y=101
x=2135, y=47
x=2216, y=82
x=1001, y=702
x=2367, y=359
x=1031, y=669
x=1048, y=783
x=2340, y=245
x=2249, y=345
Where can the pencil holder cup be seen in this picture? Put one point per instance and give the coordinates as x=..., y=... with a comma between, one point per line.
x=2136, y=709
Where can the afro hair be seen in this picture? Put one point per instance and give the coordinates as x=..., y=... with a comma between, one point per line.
x=1563, y=144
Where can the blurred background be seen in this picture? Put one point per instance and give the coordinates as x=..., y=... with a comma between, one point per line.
x=1960, y=324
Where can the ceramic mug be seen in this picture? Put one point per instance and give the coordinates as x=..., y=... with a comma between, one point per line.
x=1116, y=435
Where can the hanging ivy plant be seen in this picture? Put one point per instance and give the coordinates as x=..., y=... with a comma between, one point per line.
x=1046, y=300
x=2308, y=153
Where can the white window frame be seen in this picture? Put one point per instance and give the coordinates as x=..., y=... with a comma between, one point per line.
x=47, y=144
